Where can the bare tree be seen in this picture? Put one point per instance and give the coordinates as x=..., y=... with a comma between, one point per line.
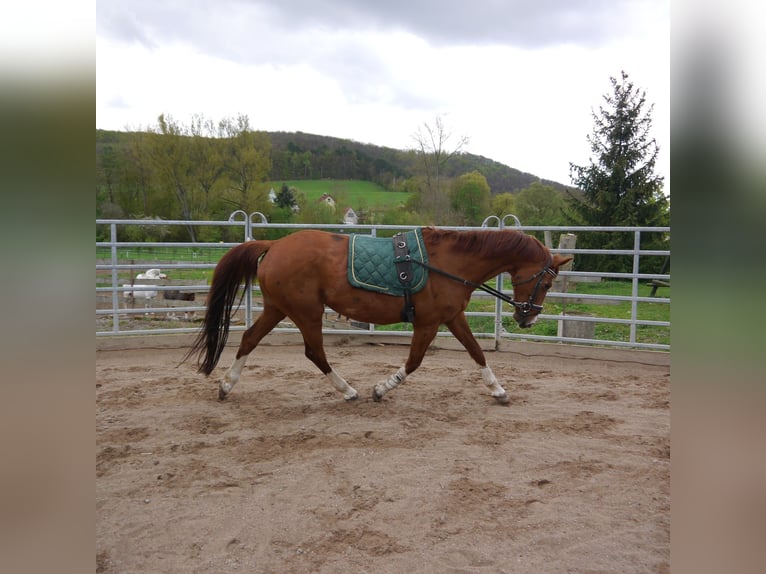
x=434, y=150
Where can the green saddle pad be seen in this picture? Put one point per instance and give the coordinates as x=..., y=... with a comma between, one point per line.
x=371, y=263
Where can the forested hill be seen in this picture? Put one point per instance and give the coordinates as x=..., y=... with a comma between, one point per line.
x=334, y=157
x=298, y=155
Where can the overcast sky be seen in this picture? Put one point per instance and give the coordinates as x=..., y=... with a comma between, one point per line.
x=518, y=78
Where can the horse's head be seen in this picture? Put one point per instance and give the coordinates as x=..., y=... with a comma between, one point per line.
x=530, y=285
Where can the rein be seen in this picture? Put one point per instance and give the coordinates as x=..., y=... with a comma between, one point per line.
x=524, y=307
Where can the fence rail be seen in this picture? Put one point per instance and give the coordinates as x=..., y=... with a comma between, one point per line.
x=130, y=303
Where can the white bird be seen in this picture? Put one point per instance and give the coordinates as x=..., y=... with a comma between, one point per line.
x=152, y=274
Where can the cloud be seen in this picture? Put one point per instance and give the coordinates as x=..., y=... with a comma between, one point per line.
x=374, y=71
x=365, y=44
x=227, y=25
x=517, y=23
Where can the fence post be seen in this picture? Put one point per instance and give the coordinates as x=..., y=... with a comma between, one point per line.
x=576, y=329
x=115, y=295
x=249, y=237
x=634, y=291
x=498, y=302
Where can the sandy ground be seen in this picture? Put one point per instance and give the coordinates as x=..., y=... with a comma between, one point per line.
x=284, y=476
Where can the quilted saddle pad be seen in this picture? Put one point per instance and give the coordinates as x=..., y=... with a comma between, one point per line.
x=371, y=263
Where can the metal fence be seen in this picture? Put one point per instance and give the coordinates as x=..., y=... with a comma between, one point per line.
x=170, y=300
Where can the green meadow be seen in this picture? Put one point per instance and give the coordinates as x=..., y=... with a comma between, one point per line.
x=348, y=193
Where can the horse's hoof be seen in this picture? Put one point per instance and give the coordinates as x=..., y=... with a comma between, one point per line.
x=351, y=397
x=222, y=395
x=376, y=396
x=503, y=399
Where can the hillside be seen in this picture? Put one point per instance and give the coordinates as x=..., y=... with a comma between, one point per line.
x=298, y=155
x=331, y=155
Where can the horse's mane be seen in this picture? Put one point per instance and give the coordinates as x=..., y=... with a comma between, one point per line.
x=488, y=242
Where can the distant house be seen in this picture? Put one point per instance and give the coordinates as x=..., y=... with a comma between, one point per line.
x=350, y=217
x=328, y=199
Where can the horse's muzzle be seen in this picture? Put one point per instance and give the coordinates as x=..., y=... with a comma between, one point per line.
x=525, y=321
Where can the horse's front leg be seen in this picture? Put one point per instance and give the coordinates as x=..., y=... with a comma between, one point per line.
x=459, y=327
x=498, y=392
x=421, y=338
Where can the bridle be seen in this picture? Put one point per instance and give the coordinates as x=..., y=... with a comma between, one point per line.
x=525, y=308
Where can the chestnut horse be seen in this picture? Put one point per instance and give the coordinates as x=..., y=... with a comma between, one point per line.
x=301, y=273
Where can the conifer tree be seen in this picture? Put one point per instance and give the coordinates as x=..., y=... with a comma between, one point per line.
x=619, y=187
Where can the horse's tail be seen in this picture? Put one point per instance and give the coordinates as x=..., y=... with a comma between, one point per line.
x=238, y=265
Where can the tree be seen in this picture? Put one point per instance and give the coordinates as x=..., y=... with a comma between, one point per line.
x=434, y=153
x=317, y=212
x=171, y=153
x=285, y=197
x=138, y=176
x=619, y=186
x=504, y=204
x=246, y=162
x=207, y=163
x=470, y=198
x=540, y=204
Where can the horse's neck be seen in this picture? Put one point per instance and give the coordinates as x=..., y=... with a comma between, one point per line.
x=473, y=265
x=491, y=268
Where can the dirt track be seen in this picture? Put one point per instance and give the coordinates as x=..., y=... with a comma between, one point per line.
x=284, y=476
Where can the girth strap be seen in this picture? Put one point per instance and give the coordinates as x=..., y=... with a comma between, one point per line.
x=403, y=264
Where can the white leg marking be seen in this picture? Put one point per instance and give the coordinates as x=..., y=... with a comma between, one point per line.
x=498, y=392
x=231, y=377
x=390, y=383
x=349, y=393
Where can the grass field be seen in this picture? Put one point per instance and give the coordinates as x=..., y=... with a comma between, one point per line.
x=348, y=193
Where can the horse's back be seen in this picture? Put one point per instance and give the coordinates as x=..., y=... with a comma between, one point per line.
x=304, y=257
x=311, y=244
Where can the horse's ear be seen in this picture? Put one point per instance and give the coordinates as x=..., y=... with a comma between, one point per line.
x=558, y=260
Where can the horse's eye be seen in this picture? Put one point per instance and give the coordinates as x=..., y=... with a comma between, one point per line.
x=546, y=287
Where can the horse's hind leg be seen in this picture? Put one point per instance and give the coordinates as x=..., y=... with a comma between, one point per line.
x=268, y=319
x=312, y=338
x=459, y=327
